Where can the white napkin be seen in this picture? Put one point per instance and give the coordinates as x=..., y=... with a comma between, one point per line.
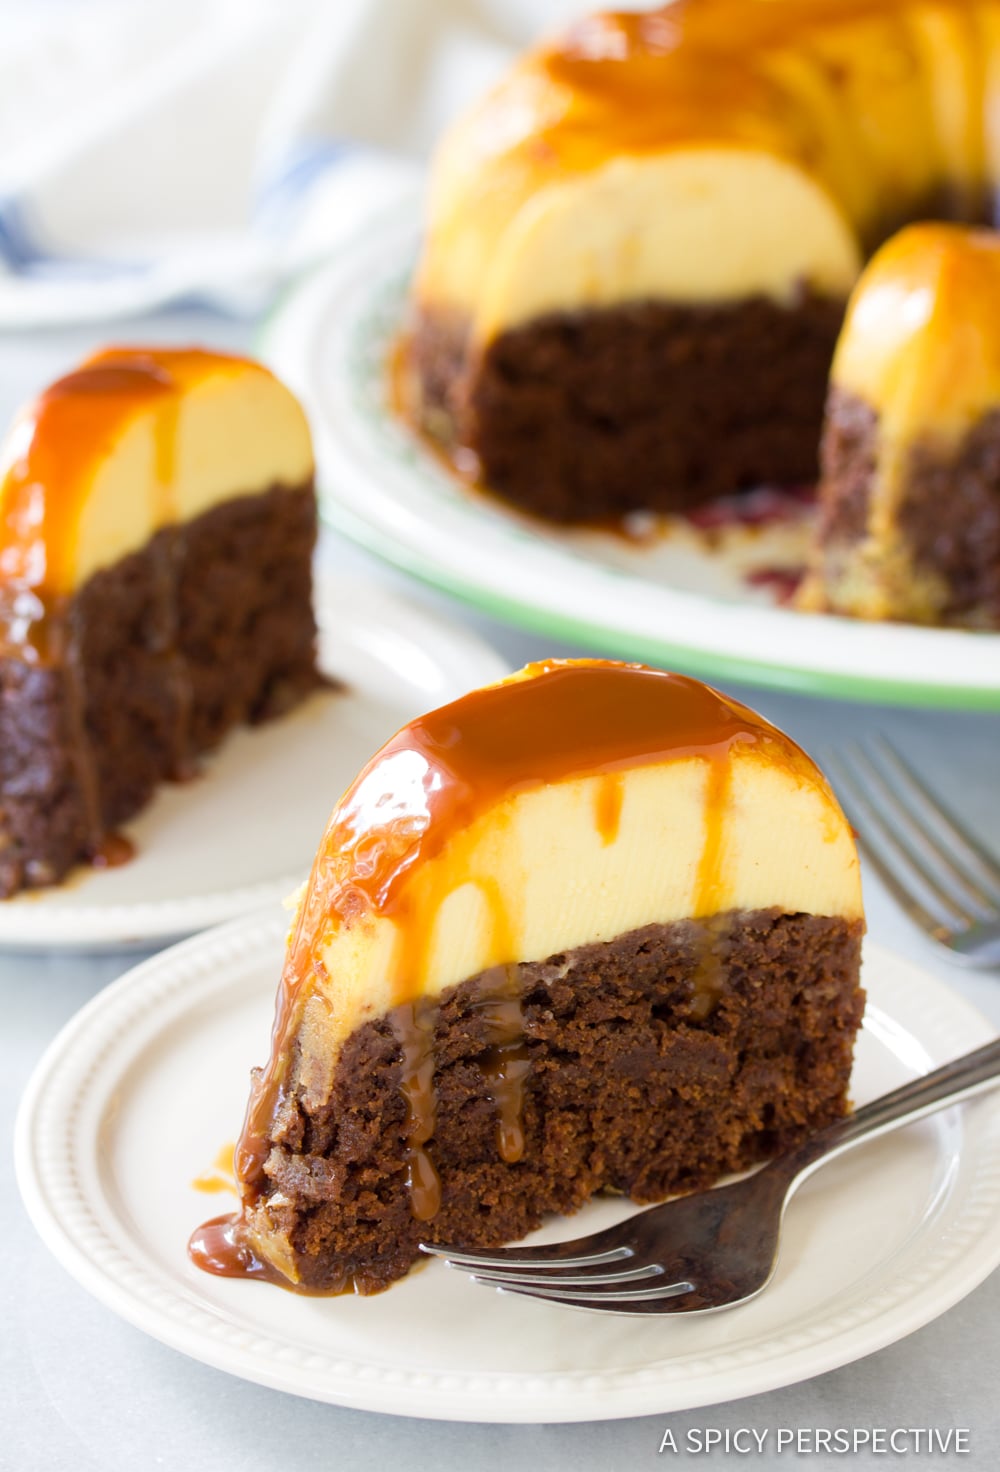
x=205, y=150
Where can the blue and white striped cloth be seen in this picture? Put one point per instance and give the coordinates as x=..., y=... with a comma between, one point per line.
x=206, y=150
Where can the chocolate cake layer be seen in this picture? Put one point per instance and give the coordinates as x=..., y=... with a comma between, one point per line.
x=951, y=518
x=655, y=406
x=650, y=1064
x=947, y=517
x=148, y=666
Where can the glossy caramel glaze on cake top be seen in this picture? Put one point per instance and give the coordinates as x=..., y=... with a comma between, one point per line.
x=921, y=342
x=656, y=155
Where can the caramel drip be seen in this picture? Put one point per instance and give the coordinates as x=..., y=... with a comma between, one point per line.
x=508, y=1081
x=220, y=1248
x=709, y=882
x=503, y=936
x=507, y=1063
x=56, y=450
x=267, y=1087
x=505, y=1067
x=708, y=977
x=413, y=1024
x=610, y=795
x=217, y=1247
x=709, y=971
x=811, y=81
x=416, y=934
x=70, y=430
x=562, y=720
x=559, y=720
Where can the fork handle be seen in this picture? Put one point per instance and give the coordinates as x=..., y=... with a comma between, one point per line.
x=964, y=1077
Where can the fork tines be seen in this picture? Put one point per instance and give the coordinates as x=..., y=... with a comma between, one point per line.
x=936, y=870
x=584, y=1280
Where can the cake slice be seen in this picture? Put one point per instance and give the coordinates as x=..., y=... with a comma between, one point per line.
x=910, y=490
x=157, y=522
x=594, y=928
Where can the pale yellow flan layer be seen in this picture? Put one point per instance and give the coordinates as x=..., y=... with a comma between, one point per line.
x=133, y=440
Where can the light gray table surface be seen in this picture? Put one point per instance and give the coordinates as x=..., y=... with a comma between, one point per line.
x=82, y=1390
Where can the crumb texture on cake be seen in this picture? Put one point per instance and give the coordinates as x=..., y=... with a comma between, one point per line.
x=623, y=1084
x=569, y=409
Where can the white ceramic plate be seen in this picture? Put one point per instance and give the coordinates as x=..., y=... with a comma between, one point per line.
x=673, y=602
x=244, y=832
x=136, y=1096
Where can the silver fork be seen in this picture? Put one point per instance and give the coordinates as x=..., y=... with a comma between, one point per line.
x=714, y=1249
x=941, y=877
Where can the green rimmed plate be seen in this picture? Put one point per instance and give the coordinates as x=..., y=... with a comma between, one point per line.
x=676, y=600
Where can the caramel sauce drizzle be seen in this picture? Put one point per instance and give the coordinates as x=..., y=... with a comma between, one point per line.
x=507, y=1062
x=566, y=719
x=709, y=880
x=612, y=54
x=504, y=1066
x=413, y=1024
x=57, y=448
x=727, y=71
x=562, y=719
x=608, y=814
x=709, y=973
x=52, y=455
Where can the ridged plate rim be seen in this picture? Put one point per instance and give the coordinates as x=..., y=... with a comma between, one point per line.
x=58, y=1131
